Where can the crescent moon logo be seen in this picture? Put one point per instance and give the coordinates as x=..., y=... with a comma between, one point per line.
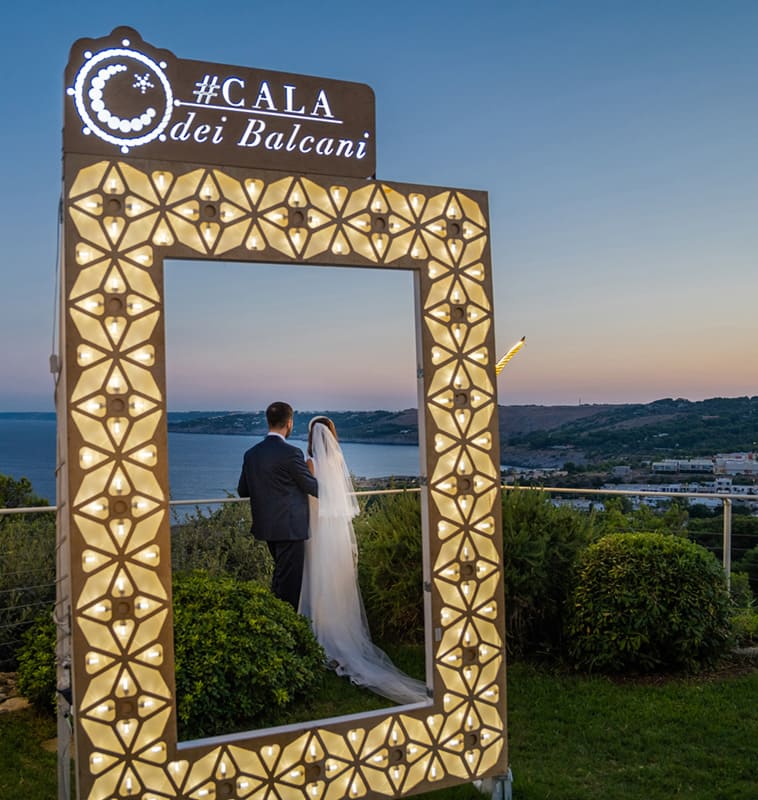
x=123, y=97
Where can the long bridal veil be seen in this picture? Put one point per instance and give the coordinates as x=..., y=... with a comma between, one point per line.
x=331, y=596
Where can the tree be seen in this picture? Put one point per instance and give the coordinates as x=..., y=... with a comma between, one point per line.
x=18, y=493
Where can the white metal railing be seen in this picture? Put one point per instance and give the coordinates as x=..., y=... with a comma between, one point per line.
x=726, y=502
x=725, y=499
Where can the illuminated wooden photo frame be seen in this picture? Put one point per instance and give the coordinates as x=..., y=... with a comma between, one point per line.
x=122, y=218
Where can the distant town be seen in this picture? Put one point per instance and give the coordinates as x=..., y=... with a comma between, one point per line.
x=733, y=474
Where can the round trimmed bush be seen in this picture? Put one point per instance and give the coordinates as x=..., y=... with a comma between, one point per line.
x=645, y=602
x=745, y=627
x=242, y=655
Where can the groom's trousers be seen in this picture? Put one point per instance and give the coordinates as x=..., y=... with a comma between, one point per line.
x=289, y=557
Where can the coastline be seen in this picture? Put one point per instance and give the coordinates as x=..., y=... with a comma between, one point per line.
x=530, y=436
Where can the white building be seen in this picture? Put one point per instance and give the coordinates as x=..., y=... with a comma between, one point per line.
x=683, y=465
x=720, y=464
x=735, y=464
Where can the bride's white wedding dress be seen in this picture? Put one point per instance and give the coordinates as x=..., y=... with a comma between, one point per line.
x=330, y=595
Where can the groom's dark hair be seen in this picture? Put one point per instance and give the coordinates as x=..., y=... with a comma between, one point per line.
x=279, y=414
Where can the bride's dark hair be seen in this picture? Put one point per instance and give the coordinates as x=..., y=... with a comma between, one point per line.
x=312, y=424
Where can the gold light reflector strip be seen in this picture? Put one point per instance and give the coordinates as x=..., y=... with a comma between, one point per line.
x=122, y=223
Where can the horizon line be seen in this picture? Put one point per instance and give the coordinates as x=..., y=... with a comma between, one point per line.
x=415, y=408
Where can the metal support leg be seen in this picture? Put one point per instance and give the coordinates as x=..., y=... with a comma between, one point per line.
x=502, y=786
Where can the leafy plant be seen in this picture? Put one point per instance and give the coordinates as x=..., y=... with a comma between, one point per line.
x=18, y=493
x=744, y=611
x=27, y=576
x=390, y=567
x=745, y=627
x=242, y=655
x=36, y=663
x=220, y=543
x=619, y=517
x=648, y=601
x=541, y=544
x=709, y=532
x=748, y=565
x=740, y=591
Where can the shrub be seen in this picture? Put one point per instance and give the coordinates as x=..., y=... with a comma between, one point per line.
x=220, y=543
x=620, y=517
x=739, y=590
x=242, y=655
x=36, y=663
x=744, y=611
x=745, y=627
x=748, y=565
x=648, y=601
x=18, y=493
x=27, y=574
x=541, y=544
x=390, y=567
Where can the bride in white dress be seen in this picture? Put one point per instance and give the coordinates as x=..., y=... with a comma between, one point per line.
x=331, y=596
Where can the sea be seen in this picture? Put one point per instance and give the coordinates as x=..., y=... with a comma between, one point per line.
x=202, y=466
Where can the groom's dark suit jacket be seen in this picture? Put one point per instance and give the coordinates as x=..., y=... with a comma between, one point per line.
x=278, y=482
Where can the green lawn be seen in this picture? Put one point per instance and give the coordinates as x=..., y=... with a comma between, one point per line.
x=26, y=770
x=572, y=738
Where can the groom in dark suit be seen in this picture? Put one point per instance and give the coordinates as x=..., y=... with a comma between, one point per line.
x=277, y=481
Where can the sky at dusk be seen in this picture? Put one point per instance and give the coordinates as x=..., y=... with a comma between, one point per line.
x=618, y=143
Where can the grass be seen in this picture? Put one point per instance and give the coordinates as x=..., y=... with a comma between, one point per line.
x=26, y=769
x=571, y=737
x=337, y=697
x=575, y=737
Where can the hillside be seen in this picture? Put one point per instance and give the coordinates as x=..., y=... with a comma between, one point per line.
x=544, y=435
x=664, y=428
x=370, y=427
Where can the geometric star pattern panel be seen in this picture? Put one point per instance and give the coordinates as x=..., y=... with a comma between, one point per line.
x=122, y=219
